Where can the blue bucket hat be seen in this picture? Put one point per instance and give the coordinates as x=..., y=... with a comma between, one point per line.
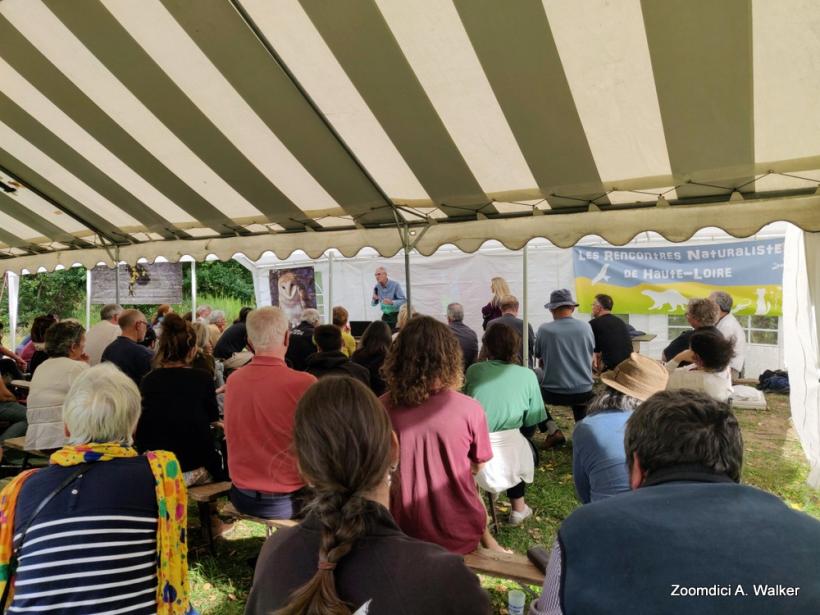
x=560, y=298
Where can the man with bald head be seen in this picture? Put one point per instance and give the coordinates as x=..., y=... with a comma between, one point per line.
x=389, y=294
x=126, y=352
x=260, y=403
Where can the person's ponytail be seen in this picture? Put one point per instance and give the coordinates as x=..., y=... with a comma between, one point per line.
x=342, y=437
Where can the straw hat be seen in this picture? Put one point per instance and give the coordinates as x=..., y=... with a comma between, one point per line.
x=638, y=376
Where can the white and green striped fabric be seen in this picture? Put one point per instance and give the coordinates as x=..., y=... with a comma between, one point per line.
x=174, y=127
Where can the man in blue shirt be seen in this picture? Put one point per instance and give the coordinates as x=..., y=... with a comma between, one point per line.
x=390, y=295
x=564, y=349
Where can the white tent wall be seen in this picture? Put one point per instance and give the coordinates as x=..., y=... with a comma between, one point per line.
x=801, y=324
x=451, y=275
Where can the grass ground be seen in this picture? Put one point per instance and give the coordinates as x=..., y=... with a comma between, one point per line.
x=773, y=461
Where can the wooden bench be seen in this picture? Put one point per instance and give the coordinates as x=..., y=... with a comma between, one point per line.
x=19, y=444
x=510, y=566
x=203, y=495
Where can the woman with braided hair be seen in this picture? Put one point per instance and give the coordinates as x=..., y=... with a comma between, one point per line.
x=348, y=555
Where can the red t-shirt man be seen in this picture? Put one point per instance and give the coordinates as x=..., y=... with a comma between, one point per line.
x=260, y=403
x=434, y=495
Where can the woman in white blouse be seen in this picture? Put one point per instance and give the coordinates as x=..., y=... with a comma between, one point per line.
x=65, y=346
x=709, y=355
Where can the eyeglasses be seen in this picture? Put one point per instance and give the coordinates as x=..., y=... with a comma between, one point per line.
x=142, y=322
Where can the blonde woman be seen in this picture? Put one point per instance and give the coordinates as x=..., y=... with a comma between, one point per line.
x=499, y=288
x=401, y=321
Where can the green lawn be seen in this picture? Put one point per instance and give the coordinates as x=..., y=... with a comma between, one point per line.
x=773, y=461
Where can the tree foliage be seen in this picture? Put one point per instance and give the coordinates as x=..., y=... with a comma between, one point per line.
x=228, y=279
x=63, y=292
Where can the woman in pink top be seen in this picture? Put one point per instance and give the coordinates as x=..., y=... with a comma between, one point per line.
x=443, y=440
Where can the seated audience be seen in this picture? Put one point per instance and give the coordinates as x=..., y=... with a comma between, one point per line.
x=443, y=440
x=39, y=327
x=511, y=398
x=204, y=358
x=509, y=317
x=730, y=329
x=707, y=365
x=126, y=352
x=372, y=351
x=700, y=314
x=179, y=405
x=466, y=337
x=10, y=362
x=493, y=310
x=100, y=529
x=340, y=319
x=688, y=525
x=331, y=360
x=65, y=346
x=598, y=458
x=216, y=326
x=613, y=343
x=234, y=339
x=162, y=311
x=13, y=413
x=260, y=402
x=301, y=344
x=402, y=318
x=203, y=314
x=564, y=350
x=100, y=335
x=347, y=451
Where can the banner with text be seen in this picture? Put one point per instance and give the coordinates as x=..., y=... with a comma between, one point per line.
x=662, y=280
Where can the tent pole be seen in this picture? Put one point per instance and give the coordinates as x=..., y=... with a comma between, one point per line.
x=330, y=286
x=14, y=294
x=87, y=299
x=407, y=271
x=193, y=291
x=117, y=282
x=525, y=333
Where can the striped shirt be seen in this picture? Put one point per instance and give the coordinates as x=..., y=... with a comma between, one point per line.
x=92, y=549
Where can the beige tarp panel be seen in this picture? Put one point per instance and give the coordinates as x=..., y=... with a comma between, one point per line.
x=178, y=127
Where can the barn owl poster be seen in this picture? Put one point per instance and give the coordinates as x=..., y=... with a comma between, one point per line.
x=293, y=290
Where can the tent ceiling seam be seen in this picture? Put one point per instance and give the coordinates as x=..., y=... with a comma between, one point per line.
x=263, y=40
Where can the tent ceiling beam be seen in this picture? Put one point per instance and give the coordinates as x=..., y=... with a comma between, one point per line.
x=66, y=210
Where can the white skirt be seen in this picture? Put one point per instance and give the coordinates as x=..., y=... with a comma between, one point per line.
x=512, y=462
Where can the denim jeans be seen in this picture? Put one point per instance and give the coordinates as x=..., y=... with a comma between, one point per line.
x=14, y=413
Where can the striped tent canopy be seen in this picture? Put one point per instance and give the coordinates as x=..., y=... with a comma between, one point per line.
x=142, y=128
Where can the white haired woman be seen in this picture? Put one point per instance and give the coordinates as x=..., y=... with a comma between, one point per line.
x=65, y=346
x=72, y=537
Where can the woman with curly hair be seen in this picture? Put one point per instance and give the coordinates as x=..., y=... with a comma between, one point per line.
x=348, y=553
x=706, y=365
x=443, y=438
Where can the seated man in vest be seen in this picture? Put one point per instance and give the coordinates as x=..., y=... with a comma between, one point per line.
x=260, y=403
x=331, y=359
x=689, y=538
x=126, y=352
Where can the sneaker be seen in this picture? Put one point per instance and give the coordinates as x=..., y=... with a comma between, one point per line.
x=555, y=440
x=517, y=518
